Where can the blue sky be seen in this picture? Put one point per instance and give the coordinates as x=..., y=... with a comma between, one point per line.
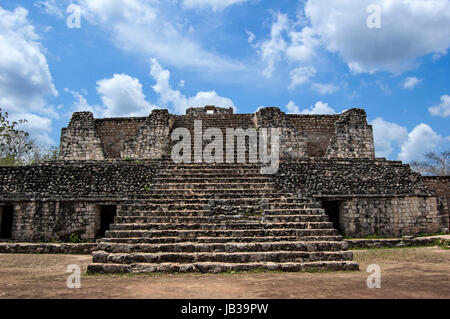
x=310, y=56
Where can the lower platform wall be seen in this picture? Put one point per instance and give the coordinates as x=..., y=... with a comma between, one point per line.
x=41, y=221
x=46, y=221
x=392, y=216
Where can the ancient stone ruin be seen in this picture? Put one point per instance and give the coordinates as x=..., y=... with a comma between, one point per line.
x=116, y=182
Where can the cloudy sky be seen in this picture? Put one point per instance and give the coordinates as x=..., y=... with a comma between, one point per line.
x=127, y=57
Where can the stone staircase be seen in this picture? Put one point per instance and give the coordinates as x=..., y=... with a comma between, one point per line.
x=217, y=218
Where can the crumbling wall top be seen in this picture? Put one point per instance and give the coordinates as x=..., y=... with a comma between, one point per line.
x=82, y=120
x=209, y=109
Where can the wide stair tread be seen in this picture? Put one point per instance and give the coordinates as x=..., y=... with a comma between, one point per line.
x=217, y=267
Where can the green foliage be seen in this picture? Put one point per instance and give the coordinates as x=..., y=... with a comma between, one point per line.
x=15, y=144
x=17, y=148
x=74, y=238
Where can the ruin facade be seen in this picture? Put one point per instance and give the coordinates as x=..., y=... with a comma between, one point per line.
x=115, y=180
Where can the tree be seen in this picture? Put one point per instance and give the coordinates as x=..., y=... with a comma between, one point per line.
x=38, y=154
x=15, y=144
x=17, y=148
x=435, y=164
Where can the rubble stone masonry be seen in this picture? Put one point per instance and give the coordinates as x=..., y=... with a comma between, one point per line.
x=118, y=161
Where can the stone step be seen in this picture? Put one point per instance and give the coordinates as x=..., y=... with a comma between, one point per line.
x=301, y=209
x=208, y=186
x=189, y=234
x=209, y=213
x=234, y=257
x=208, y=176
x=211, y=180
x=201, y=200
x=218, y=218
x=177, y=193
x=225, y=247
x=167, y=240
x=235, y=207
x=238, y=225
x=209, y=171
x=170, y=165
x=320, y=238
x=209, y=267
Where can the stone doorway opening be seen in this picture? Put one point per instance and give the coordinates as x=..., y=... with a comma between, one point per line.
x=105, y=217
x=332, y=209
x=6, y=221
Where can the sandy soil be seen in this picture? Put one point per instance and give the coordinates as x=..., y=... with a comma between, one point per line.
x=406, y=273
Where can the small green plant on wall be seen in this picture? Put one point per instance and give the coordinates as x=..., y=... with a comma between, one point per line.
x=74, y=238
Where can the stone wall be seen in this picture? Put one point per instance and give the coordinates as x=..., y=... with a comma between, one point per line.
x=353, y=137
x=317, y=130
x=441, y=186
x=115, y=132
x=293, y=143
x=76, y=180
x=52, y=201
x=80, y=141
x=375, y=196
x=349, y=177
x=209, y=109
x=332, y=136
x=152, y=138
x=391, y=216
x=50, y=220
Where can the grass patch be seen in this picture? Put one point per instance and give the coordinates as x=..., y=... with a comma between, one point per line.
x=368, y=237
x=437, y=242
x=430, y=234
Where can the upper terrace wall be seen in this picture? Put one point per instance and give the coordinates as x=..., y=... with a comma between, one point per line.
x=114, y=132
x=329, y=136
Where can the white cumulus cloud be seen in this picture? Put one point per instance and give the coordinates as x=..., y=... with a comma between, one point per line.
x=122, y=96
x=318, y=108
x=216, y=5
x=386, y=135
x=324, y=88
x=50, y=7
x=421, y=139
x=411, y=83
x=442, y=109
x=25, y=79
x=409, y=29
x=271, y=50
x=301, y=75
x=142, y=27
x=180, y=102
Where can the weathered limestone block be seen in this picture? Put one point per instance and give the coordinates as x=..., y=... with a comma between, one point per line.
x=293, y=143
x=79, y=141
x=392, y=216
x=353, y=137
x=47, y=220
x=152, y=139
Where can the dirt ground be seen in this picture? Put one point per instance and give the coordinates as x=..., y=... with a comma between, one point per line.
x=405, y=273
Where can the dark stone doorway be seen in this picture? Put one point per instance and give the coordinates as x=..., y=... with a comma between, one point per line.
x=332, y=210
x=6, y=220
x=107, y=214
